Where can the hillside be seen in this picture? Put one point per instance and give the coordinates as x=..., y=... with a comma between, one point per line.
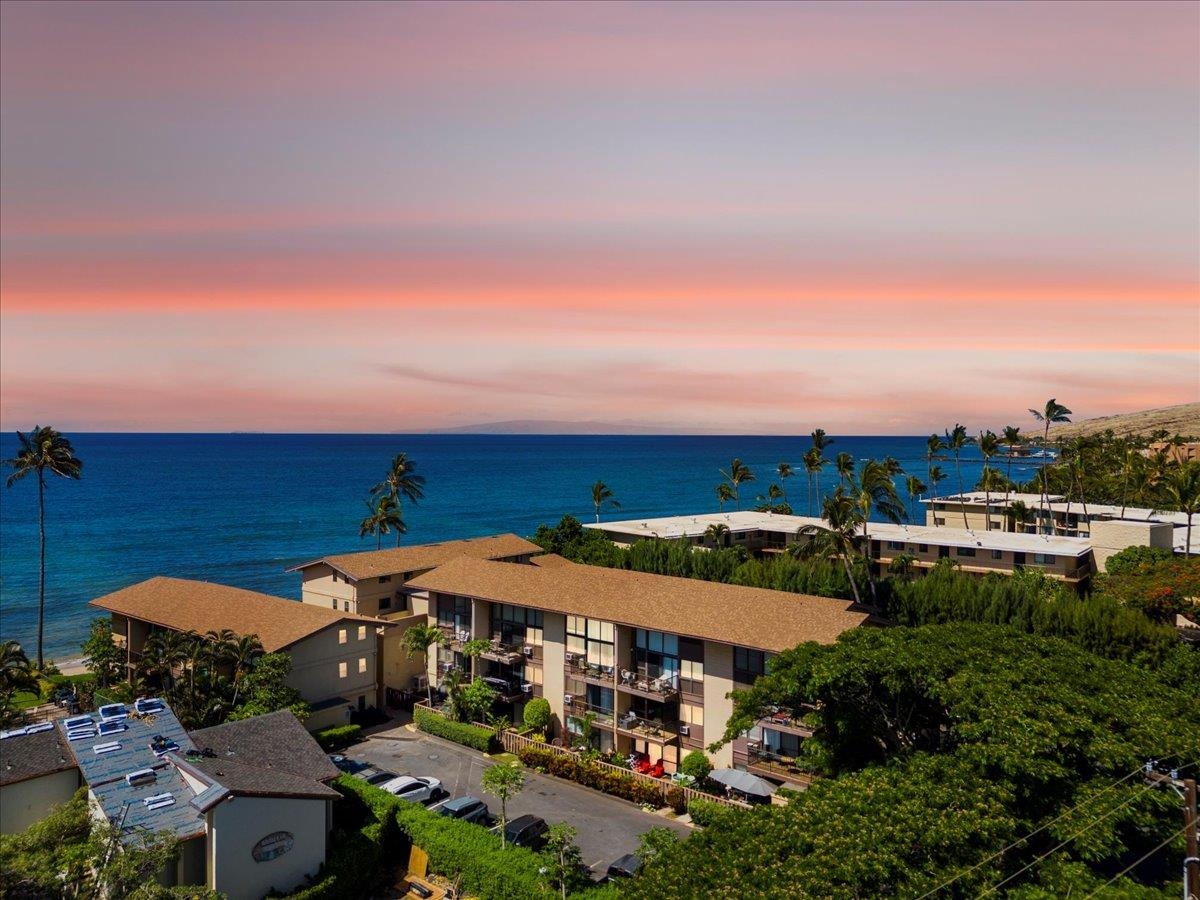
x=1183, y=419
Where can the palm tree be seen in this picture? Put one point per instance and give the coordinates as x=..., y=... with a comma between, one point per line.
x=1181, y=491
x=717, y=533
x=601, y=495
x=875, y=491
x=844, y=463
x=1051, y=413
x=837, y=537
x=418, y=639
x=785, y=472
x=243, y=653
x=933, y=451
x=43, y=450
x=401, y=481
x=1011, y=439
x=813, y=463
x=915, y=488
x=989, y=446
x=936, y=477
x=1019, y=515
x=724, y=494
x=737, y=475
x=820, y=442
x=955, y=441
x=15, y=672
x=384, y=517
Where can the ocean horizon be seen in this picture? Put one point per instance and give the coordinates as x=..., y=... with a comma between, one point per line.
x=241, y=508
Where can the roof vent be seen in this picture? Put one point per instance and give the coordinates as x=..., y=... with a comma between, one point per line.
x=79, y=734
x=40, y=726
x=113, y=726
x=159, y=801
x=78, y=722
x=141, y=776
x=110, y=747
x=149, y=705
x=113, y=711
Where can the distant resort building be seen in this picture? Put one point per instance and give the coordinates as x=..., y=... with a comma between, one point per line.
x=335, y=654
x=249, y=801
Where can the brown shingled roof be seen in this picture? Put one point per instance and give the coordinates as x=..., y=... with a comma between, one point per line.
x=373, y=563
x=275, y=741
x=201, y=606
x=729, y=614
x=26, y=756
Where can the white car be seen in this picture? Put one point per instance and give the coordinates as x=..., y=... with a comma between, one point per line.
x=417, y=790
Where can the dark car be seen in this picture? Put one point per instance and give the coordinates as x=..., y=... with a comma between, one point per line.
x=375, y=776
x=468, y=809
x=527, y=831
x=346, y=764
x=625, y=867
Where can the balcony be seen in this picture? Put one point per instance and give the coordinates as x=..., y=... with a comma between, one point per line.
x=578, y=708
x=578, y=668
x=455, y=637
x=508, y=691
x=654, y=730
x=650, y=682
x=787, y=722
x=504, y=653
x=773, y=765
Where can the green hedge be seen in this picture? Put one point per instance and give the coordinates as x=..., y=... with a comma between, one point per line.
x=482, y=739
x=456, y=849
x=591, y=775
x=705, y=813
x=338, y=737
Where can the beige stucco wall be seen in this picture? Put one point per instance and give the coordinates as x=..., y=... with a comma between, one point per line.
x=237, y=824
x=319, y=588
x=718, y=681
x=315, y=664
x=554, y=650
x=26, y=802
x=398, y=668
x=1111, y=537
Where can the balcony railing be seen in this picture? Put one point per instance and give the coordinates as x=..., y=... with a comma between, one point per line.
x=650, y=681
x=775, y=766
x=577, y=667
x=656, y=730
x=578, y=708
x=508, y=690
x=504, y=653
x=455, y=637
x=787, y=722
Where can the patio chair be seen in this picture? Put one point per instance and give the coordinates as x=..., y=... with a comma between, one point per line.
x=656, y=771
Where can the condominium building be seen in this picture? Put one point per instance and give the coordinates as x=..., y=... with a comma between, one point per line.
x=335, y=657
x=646, y=661
x=375, y=583
x=1066, y=559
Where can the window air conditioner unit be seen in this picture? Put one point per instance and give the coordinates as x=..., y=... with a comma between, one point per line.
x=526, y=688
x=685, y=730
x=527, y=650
x=570, y=657
x=568, y=699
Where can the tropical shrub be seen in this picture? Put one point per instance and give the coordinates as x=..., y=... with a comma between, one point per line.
x=482, y=739
x=538, y=714
x=592, y=774
x=705, y=812
x=338, y=737
x=676, y=799
x=696, y=764
x=1134, y=560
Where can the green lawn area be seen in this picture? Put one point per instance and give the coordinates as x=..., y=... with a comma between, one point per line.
x=28, y=699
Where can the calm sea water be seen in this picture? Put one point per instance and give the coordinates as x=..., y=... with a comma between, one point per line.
x=241, y=508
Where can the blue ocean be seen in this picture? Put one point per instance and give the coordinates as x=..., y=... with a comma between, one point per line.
x=241, y=508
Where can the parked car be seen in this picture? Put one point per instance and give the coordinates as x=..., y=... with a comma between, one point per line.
x=625, y=867
x=346, y=764
x=468, y=809
x=416, y=790
x=527, y=831
x=375, y=776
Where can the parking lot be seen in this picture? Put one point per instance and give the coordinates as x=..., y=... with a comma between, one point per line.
x=608, y=827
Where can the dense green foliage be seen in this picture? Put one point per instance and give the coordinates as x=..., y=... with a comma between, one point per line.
x=338, y=737
x=943, y=745
x=696, y=764
x=473, y=736
x=538, y=714
x=63, y=856
x=1136, y=559
x=103, y=658
x=267, y=689
x=591, y=774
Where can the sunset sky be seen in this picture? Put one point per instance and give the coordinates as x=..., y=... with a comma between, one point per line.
x=876, y=219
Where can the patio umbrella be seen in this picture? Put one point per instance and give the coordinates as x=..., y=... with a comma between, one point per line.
x=742, y=781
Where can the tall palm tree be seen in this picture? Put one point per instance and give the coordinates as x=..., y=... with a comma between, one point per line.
x=1011, y=439
x=915, y=487
x=820, y=442
x=43, y=450
x=936, y=477
x=1181, y=491
x=1052, y=412
x=737, y=475
x=837, y=537
x=785, y=472
x=15, y=671
x=383, y=518
x=418, y=639
x=243, y=653
x=875, y=491
x=601, y=494
x=955, y=441
x=989, y=446
x=717, y=533
x=933, y=452
x=1019, y=515
x=401, y=482
x=813, y=463
x=724, y=494
x=844, y=463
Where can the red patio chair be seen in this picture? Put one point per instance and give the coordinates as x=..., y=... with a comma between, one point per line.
x=644, y=765
x=656, y=771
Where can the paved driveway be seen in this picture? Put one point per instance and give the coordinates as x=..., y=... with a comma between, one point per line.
x=608, y=827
